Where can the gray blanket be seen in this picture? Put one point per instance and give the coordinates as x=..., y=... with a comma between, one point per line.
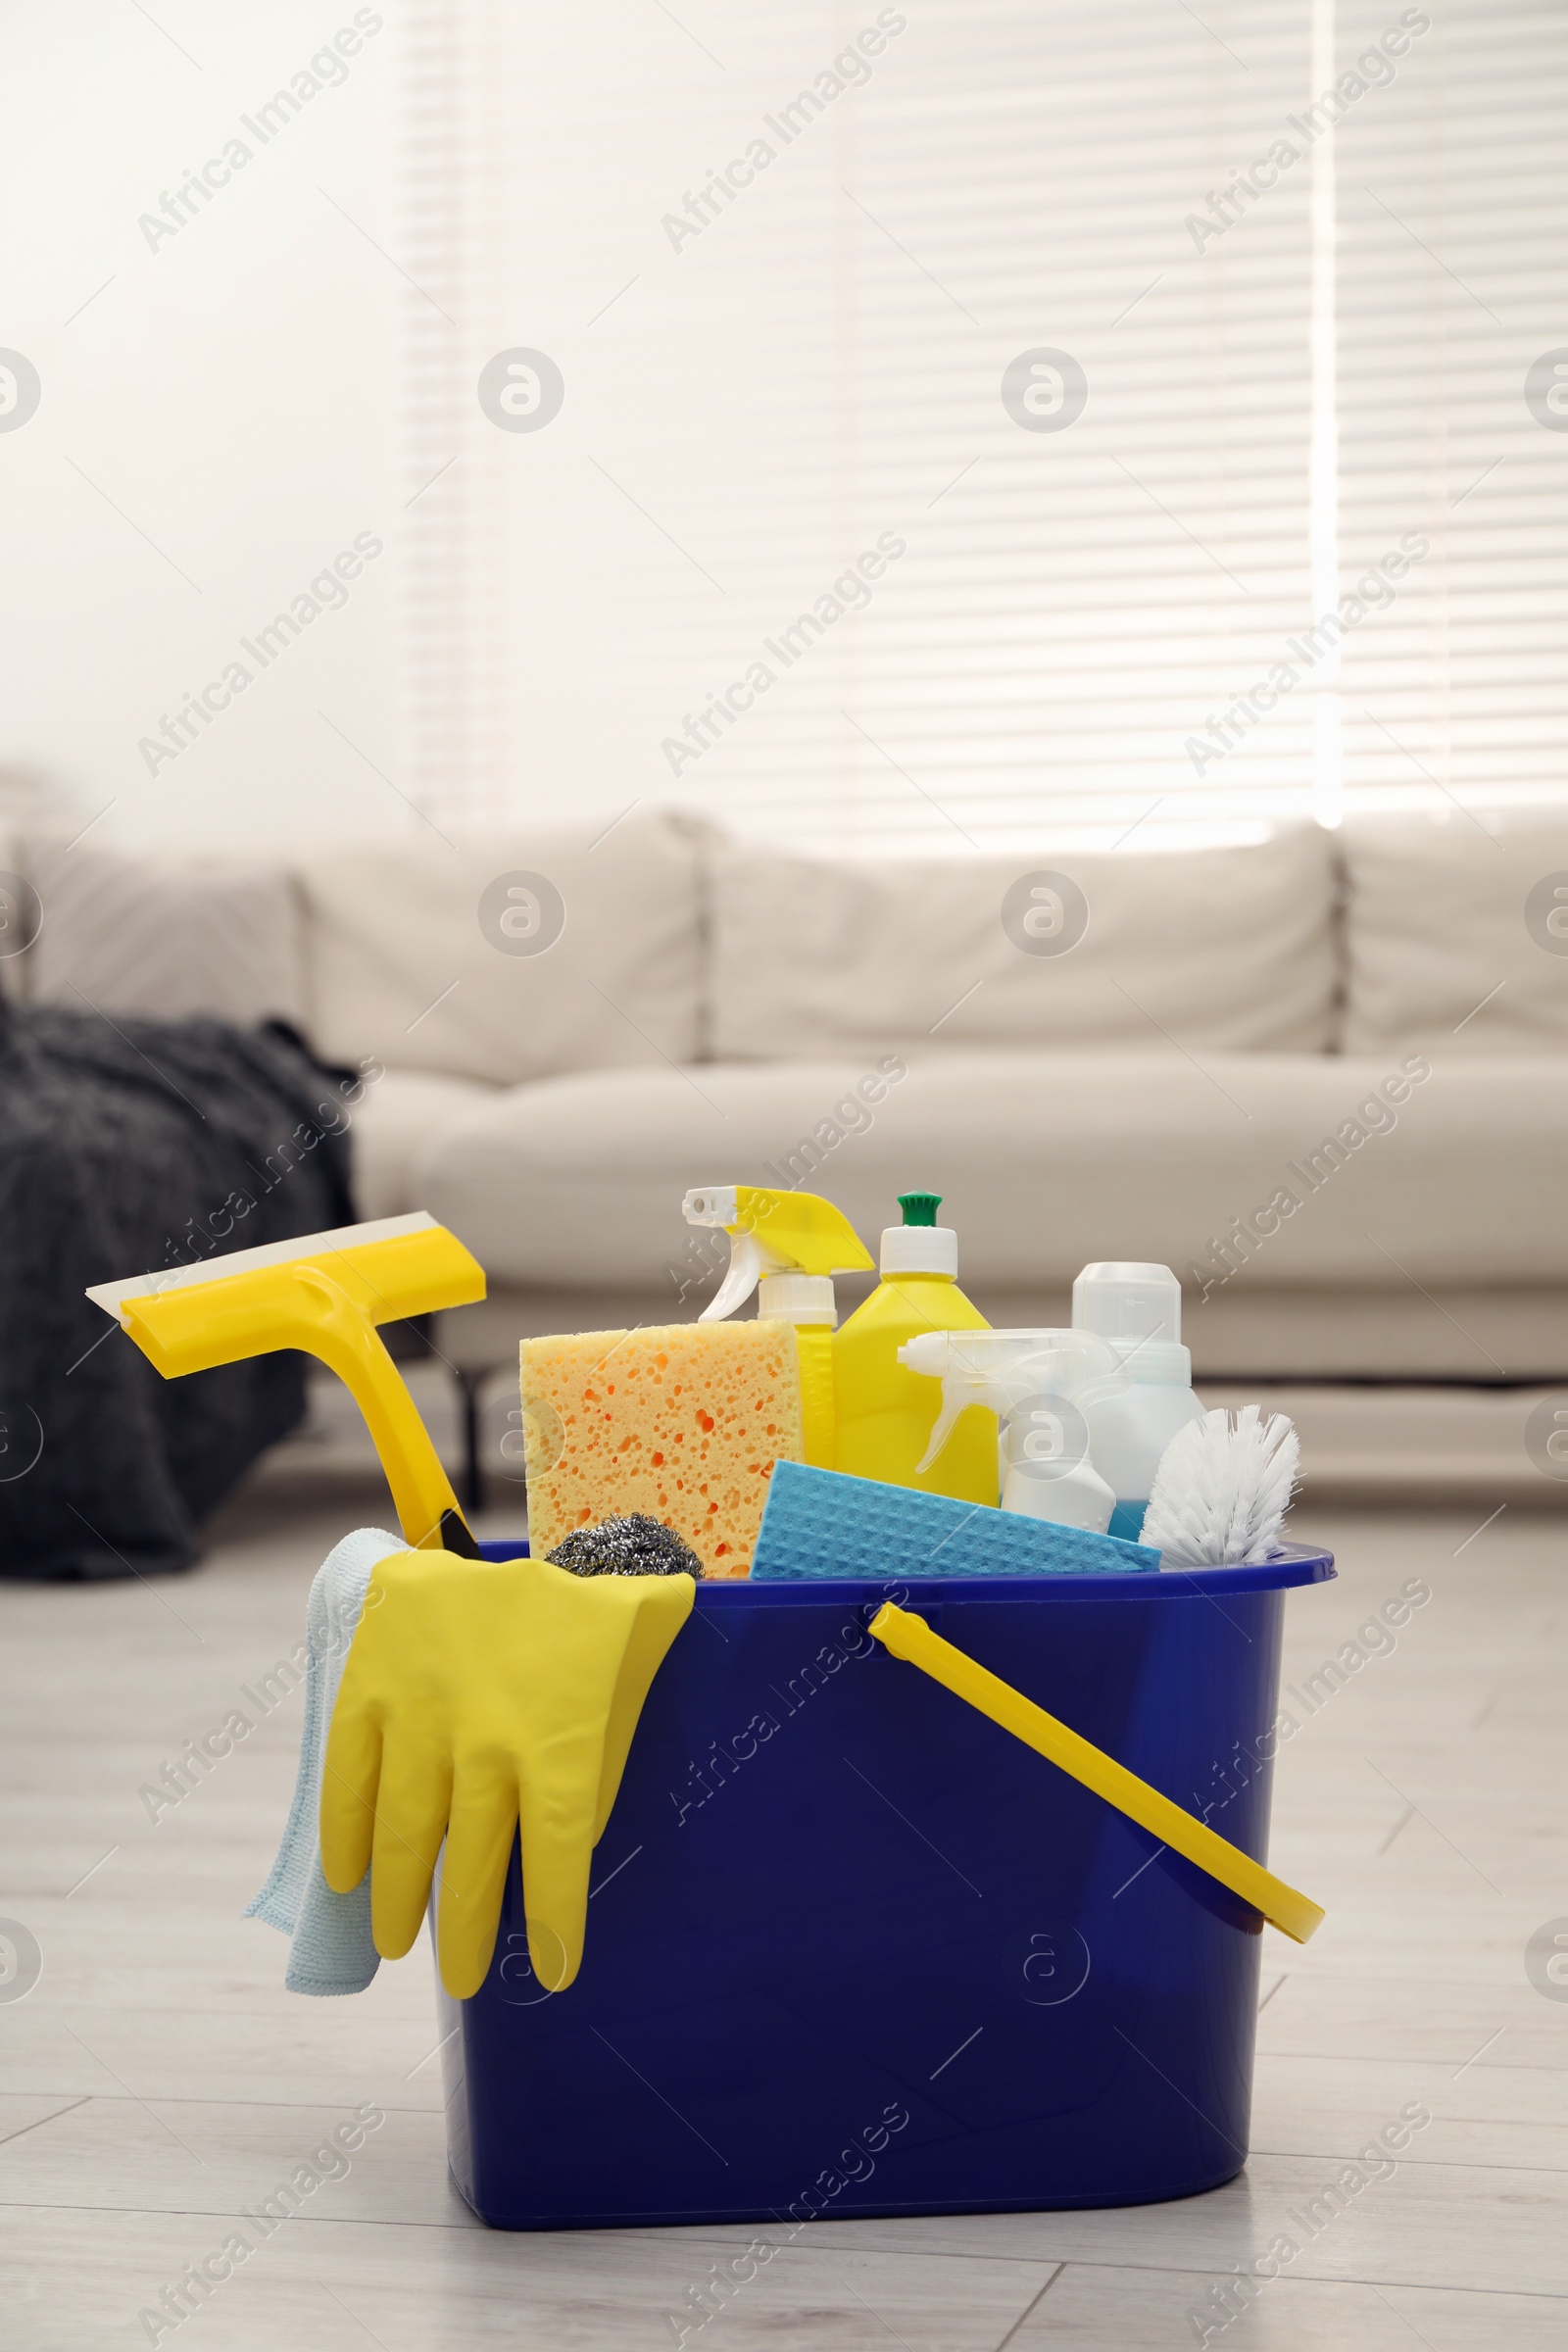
x=131, y=1146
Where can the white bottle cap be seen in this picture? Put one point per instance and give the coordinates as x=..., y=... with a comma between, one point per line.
x=802, y=1299
x=1155, y=1364
x=920, y=1250
x=1125, y=1301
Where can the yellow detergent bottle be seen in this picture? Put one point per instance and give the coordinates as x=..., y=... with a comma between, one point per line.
x=884, y=1410
x=787, y=1247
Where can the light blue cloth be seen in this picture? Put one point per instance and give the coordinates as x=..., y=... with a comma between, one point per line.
x=823, y=1523
x=331, y=1950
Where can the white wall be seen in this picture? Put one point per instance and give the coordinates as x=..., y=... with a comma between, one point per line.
x=230, y=389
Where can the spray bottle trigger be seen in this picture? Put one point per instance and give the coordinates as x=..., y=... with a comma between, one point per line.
x=746, y=1271
x=942, y=1429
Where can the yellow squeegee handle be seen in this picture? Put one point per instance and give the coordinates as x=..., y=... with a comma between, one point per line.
x=911, y=1637
x=421, y=1491
x=301, y=1306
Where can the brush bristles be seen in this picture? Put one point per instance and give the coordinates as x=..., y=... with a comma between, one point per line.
x=1222, y=1490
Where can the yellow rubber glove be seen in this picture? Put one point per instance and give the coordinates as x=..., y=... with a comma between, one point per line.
x=480, y=1694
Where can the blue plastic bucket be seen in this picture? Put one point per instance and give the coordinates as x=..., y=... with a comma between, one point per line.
x=855, y=1949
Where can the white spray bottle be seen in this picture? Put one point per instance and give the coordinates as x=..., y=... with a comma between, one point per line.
x=1040, y=1385
x=1137, y=1308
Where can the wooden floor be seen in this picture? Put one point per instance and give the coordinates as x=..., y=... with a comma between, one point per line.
x=157, y=2078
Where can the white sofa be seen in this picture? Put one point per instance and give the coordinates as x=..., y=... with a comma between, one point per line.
x=1322, y=1076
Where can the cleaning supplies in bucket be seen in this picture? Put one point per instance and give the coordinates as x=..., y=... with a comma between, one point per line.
x=1222, y=1490
x=683, y=1421
x=787, y=1247
x=884, y=1410
x=788, y=1954
x=1138, y=1310
x=1040, y=1385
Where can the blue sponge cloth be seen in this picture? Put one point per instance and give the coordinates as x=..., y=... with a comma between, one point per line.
x=821, y=1523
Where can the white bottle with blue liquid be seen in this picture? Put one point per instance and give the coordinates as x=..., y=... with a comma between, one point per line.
x=1138, y=1310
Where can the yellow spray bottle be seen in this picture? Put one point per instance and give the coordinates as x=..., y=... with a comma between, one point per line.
x=787, y=1247
x=884, y=1409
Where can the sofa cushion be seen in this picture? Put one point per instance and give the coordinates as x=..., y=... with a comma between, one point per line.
x=1215, y=947
x=417, y=954
x=1455, y=932
x=1045, y=1160
x=401, y=1115
x=163, y=937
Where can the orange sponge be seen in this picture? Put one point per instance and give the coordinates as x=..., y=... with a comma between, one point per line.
x=681, y=1420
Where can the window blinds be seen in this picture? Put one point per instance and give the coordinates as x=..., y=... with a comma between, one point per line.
x=1454, y=212
x=948, y=445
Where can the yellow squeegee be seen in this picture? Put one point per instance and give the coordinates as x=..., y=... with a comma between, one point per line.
x=323, y=1294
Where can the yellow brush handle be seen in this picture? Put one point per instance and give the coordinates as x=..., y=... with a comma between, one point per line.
x=910, y=1637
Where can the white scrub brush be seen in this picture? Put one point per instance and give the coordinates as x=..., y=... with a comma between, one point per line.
x=1222, y=1490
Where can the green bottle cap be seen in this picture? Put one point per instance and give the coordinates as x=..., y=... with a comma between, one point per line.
x=919, y=1208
